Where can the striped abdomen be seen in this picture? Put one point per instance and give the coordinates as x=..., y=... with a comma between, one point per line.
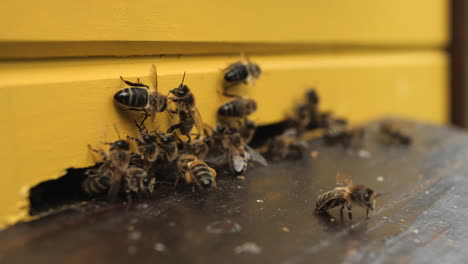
x=236, y=73
x=202, y=173
x=329, y=200
x=240, y=107
x=96, y=184
x=134, y=97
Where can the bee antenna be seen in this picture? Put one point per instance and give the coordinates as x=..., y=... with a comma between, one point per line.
x=380, y=194
x=117, y=130
x=183, y=78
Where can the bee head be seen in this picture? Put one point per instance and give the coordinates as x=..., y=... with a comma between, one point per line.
x=312, y=97
x=149, y=138
x=148, y=184
x=166, y=138
x=368, y=198
x=251, y=106
x=120, y=145
x=255, y=70
x=180, y=91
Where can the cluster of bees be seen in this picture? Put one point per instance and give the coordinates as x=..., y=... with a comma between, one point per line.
x=194, y=157
x=178, y=150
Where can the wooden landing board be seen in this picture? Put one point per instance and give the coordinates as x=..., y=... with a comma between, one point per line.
x=268, y=217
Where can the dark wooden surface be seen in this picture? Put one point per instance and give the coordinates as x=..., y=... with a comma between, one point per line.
x=268, y=218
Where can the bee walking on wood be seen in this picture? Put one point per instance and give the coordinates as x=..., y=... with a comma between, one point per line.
x=241, y=72
x=189, y=116
x=195, y=172
x=109, y=175
x=391, y=134
x=138, y=97
x=346, y=196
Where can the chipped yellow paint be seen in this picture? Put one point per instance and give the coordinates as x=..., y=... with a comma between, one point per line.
x=54, y=109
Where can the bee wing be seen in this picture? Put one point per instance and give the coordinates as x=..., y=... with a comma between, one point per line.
x=216, y=160
x=197, y=119
x=154, y=76
x=255, y=156
x=343, y=179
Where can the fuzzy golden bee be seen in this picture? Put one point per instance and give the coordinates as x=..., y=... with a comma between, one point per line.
x=189, y=116
x=109, y=175
x=195, y=172
x=346, y=196
x=137, y=181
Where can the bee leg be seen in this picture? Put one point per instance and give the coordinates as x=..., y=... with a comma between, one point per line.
x=193, y=187
x=137, y=84
x=231, y=95
x=177, y=179
x=350, y=214
x=102, y=153
x=367, y=213
x=135, y=139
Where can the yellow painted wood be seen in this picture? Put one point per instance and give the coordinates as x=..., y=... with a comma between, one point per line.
x=51, y=110
x=121, y=27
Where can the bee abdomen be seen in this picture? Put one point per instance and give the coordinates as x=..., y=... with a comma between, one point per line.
x=329, y=200
x=96, y=184
x=229, y=109
x=237, y=73
x=132, y=97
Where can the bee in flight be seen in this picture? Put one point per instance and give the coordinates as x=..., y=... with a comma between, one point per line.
x=243, y=71
x=138, y=97
x=109, y=175
x=346, y=196
x=195, y=172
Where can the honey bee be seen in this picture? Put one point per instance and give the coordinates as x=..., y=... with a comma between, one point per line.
x=300, y=119
x=238, y=153
x=286, y=145
x=339, y=133
x=236, y=110
x=346, y=195
x=137, y=97
x=312, y=103
x=201, y=145
x=195, y=172
x=137, y=181
x=147, y=146
x=167, y=143
x=242, y=72
x=391, y=134
x=109, y=175
x=189, y=115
